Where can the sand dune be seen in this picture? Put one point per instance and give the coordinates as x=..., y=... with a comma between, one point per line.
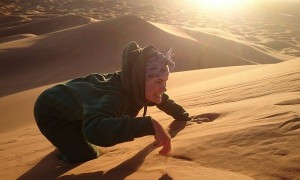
x=228, y=44
x=254, y=24
x=81, y=50
x=12, y=20
x=15, y=37
x=24, y=101
x=46, y=26
x=253, y=132
x=231, y=68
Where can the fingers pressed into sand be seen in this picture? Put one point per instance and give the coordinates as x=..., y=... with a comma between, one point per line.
x=166, y=148
x=162, y=138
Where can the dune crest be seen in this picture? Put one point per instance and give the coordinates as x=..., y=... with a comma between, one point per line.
x=46, y=26
x=84, y=49
x=15, y=37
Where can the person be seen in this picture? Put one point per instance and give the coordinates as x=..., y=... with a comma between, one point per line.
x=101, y=109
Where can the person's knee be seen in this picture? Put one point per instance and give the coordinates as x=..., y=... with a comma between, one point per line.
x=80, y=155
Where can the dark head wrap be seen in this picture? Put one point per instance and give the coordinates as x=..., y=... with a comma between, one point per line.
x=159, y=64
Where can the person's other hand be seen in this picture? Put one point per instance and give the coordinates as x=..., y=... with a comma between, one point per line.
x=162, y=138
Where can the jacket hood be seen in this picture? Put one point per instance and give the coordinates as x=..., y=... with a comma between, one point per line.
x=133, y=71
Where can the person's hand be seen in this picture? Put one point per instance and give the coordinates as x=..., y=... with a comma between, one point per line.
x=199, y=120
x=162, y=138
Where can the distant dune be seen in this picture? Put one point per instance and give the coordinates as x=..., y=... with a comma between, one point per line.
x=15, y=37
x=12, y=20
x=80, y=50
x=46, y=26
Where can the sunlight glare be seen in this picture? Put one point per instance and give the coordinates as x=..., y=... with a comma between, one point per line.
x=221, y=4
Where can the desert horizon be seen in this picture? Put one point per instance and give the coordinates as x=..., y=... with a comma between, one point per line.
x=237, y=65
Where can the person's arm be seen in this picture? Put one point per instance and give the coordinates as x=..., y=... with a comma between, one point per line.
x=103, y=124
x=173, y=109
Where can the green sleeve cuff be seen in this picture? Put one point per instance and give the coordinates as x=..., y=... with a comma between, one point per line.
x=142, y=126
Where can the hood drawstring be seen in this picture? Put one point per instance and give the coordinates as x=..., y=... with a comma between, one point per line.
x=145, y=110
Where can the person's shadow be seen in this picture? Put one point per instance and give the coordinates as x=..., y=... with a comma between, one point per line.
x=51, y=168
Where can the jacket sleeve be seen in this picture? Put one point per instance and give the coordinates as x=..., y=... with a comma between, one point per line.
x=103, y=124
x=171, y=108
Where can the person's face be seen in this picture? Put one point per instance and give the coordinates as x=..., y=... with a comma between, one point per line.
x=155, y=87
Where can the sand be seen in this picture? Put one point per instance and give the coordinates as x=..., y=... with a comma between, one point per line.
x=238, y=69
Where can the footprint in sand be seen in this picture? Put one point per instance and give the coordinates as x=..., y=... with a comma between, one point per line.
x=207, y=117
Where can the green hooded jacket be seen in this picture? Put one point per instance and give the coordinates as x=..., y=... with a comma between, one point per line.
x=109, y=103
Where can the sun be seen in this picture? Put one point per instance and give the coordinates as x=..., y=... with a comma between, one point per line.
x=221, y=4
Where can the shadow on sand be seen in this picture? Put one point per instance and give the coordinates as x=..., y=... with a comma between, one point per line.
x=50, y=167
x=131, y=165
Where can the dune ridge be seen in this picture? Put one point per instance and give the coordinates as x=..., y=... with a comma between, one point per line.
x=62, y=55
x=46, y=26
x=15, y=37
x=259, y=22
